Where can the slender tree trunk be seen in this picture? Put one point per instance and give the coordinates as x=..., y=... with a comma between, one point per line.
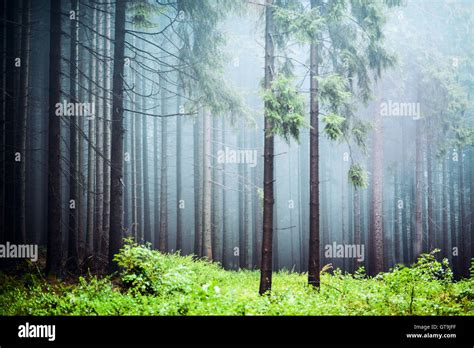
x=357, y=217
x=22, y=121
x=163, y=238
x=268, y=205
x=74, y=193
x=431, y=217
x=396, y=218
x=445, y=212
x=146, y=179
x=377, y=196
x=179, y=178
x=464, y=241
x=418, y=247
x=54, y=255
x=99, y=135
x=314, y=207
x=197, y=188
x=107, y=128
x=116, y=190
x=91, y=200
x=217, y=189
x=9, y=126
x=207, y=170
x=156, y=181
x=3, y=61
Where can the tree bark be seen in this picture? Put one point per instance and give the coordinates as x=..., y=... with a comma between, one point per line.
x=267, y=239
x=53, y=258
x=418, y=246
x=74, y=193
x=377, y=195
x=314, y=234
x=116, y=191
x=207, y=170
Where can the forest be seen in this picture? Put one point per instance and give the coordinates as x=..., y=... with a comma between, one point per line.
x=237, y=157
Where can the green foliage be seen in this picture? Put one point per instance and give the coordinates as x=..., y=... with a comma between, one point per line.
x=359, y=132
x=304, y=26
x=333, y=91
x=334, y=126
x=175, y=285
x=284, y=106
x=358, y=176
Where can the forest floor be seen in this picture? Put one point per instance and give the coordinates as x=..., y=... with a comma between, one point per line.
x=151, y=283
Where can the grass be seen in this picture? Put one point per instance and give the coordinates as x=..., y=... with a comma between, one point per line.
x=152, y=283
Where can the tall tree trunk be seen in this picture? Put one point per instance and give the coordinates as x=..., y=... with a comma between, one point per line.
x=431, y=217
x=9, y=125
x=3, y=61
x=445, y=213
x=22, y=122
x=99, y=135
x=179, y=178
x=74, y=193
x=207, y=170
x=54, y=255
x=314, y=242
x=267, y=239
x=217, y=189
x=146, y=179
x=106, y=139
x=92, y=139
x=396, y=217
x=377, y=195
x=464, y=241
x=197, y=155
x=418, y=247
x=116, y=190
x=163, y=238
x=357, y=228
x=156, y=182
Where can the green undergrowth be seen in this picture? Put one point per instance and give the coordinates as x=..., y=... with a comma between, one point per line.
x=152, y=283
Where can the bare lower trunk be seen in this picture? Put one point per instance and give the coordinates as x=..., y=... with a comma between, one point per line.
x=268, y=153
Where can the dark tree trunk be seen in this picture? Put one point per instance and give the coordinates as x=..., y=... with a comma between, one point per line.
x=116, y=177
x=53, y=259
x=313, y=254
x=268, y=153
x=73, y=244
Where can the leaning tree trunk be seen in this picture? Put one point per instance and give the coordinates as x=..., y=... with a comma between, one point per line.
x=116, y=177
x=268, y=153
